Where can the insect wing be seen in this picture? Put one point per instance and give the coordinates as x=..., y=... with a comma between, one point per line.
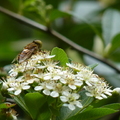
x=25, y=54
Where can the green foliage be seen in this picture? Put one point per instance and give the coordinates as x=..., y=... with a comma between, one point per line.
x=80, y=25
x=34, y=101
x=93, y=114
x=60, y=55
x=110, y=22
x=66, y=113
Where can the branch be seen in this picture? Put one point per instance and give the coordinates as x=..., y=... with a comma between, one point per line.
x=57, y=35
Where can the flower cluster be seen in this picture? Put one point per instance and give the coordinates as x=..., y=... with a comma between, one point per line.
x=43, y=74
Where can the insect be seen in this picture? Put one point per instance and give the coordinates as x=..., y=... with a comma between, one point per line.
x=29, y=50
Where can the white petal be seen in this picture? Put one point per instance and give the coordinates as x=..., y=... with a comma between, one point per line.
x=103, y=95
x=47, y=77
x=66, y=105
x=98, y=97
x=87, y=82
x=26, y=87
x=56, y=77
x=30, y=81
x=71, y=106
x=72, y=87
x=78, y=104
x=108, y=93
x=41, y=67
x=78, y=82
x=117, y=90
x=89, y=94
x=46, y=92
x=54, y=94
x=63, y=99
x=49, y=86
x=63, y=81
x=10, y=89
x=17, y=92
x=37, y=88
x=50, y=56
x=66, y=93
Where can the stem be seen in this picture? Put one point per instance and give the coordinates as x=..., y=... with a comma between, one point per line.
x=58, y=36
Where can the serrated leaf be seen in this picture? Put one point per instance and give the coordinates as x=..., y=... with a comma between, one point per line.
x=93, y=114
x=60, y=55
x=34, y=102
x=110, y=24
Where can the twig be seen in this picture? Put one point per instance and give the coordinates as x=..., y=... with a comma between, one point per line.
x=58, y=36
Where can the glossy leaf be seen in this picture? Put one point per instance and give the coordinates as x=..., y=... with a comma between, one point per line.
x=34, y=102
x=60, y=55
x=93, y=114
x=45, y=113
x=114, y=106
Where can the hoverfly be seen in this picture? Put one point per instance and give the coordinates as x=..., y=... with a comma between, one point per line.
x=29, y=50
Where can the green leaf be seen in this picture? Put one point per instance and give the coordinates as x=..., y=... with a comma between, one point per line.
x=110, y=24
x=93, y=114
x=54, y=14
x=6, y=105
x=2, y=99
x=20, y=101
x=115, y=43
x=66, y=113
x=34, y=102
x=92, y=66
x=114, y=106
x=45, y=113
x=60, y=55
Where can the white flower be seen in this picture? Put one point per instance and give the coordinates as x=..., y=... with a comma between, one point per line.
x=77, y=66
x=71, y=100
x=46, y=76
x=38, y=88
x=54, y=74
x=42, y=56
x=99, y=90
x=71, y=79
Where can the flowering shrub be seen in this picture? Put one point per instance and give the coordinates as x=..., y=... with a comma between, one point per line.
x=44, y=73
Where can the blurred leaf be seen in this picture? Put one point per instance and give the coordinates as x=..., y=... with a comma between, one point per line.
x=115, y=43
x=60, y=55
x=93, y=114
x=110, y=24
x=92, y=66
x=114, y=106
x=57, y=14
x=6, y=105
x=2, y=99
x=34, y=101
x=20, y=102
